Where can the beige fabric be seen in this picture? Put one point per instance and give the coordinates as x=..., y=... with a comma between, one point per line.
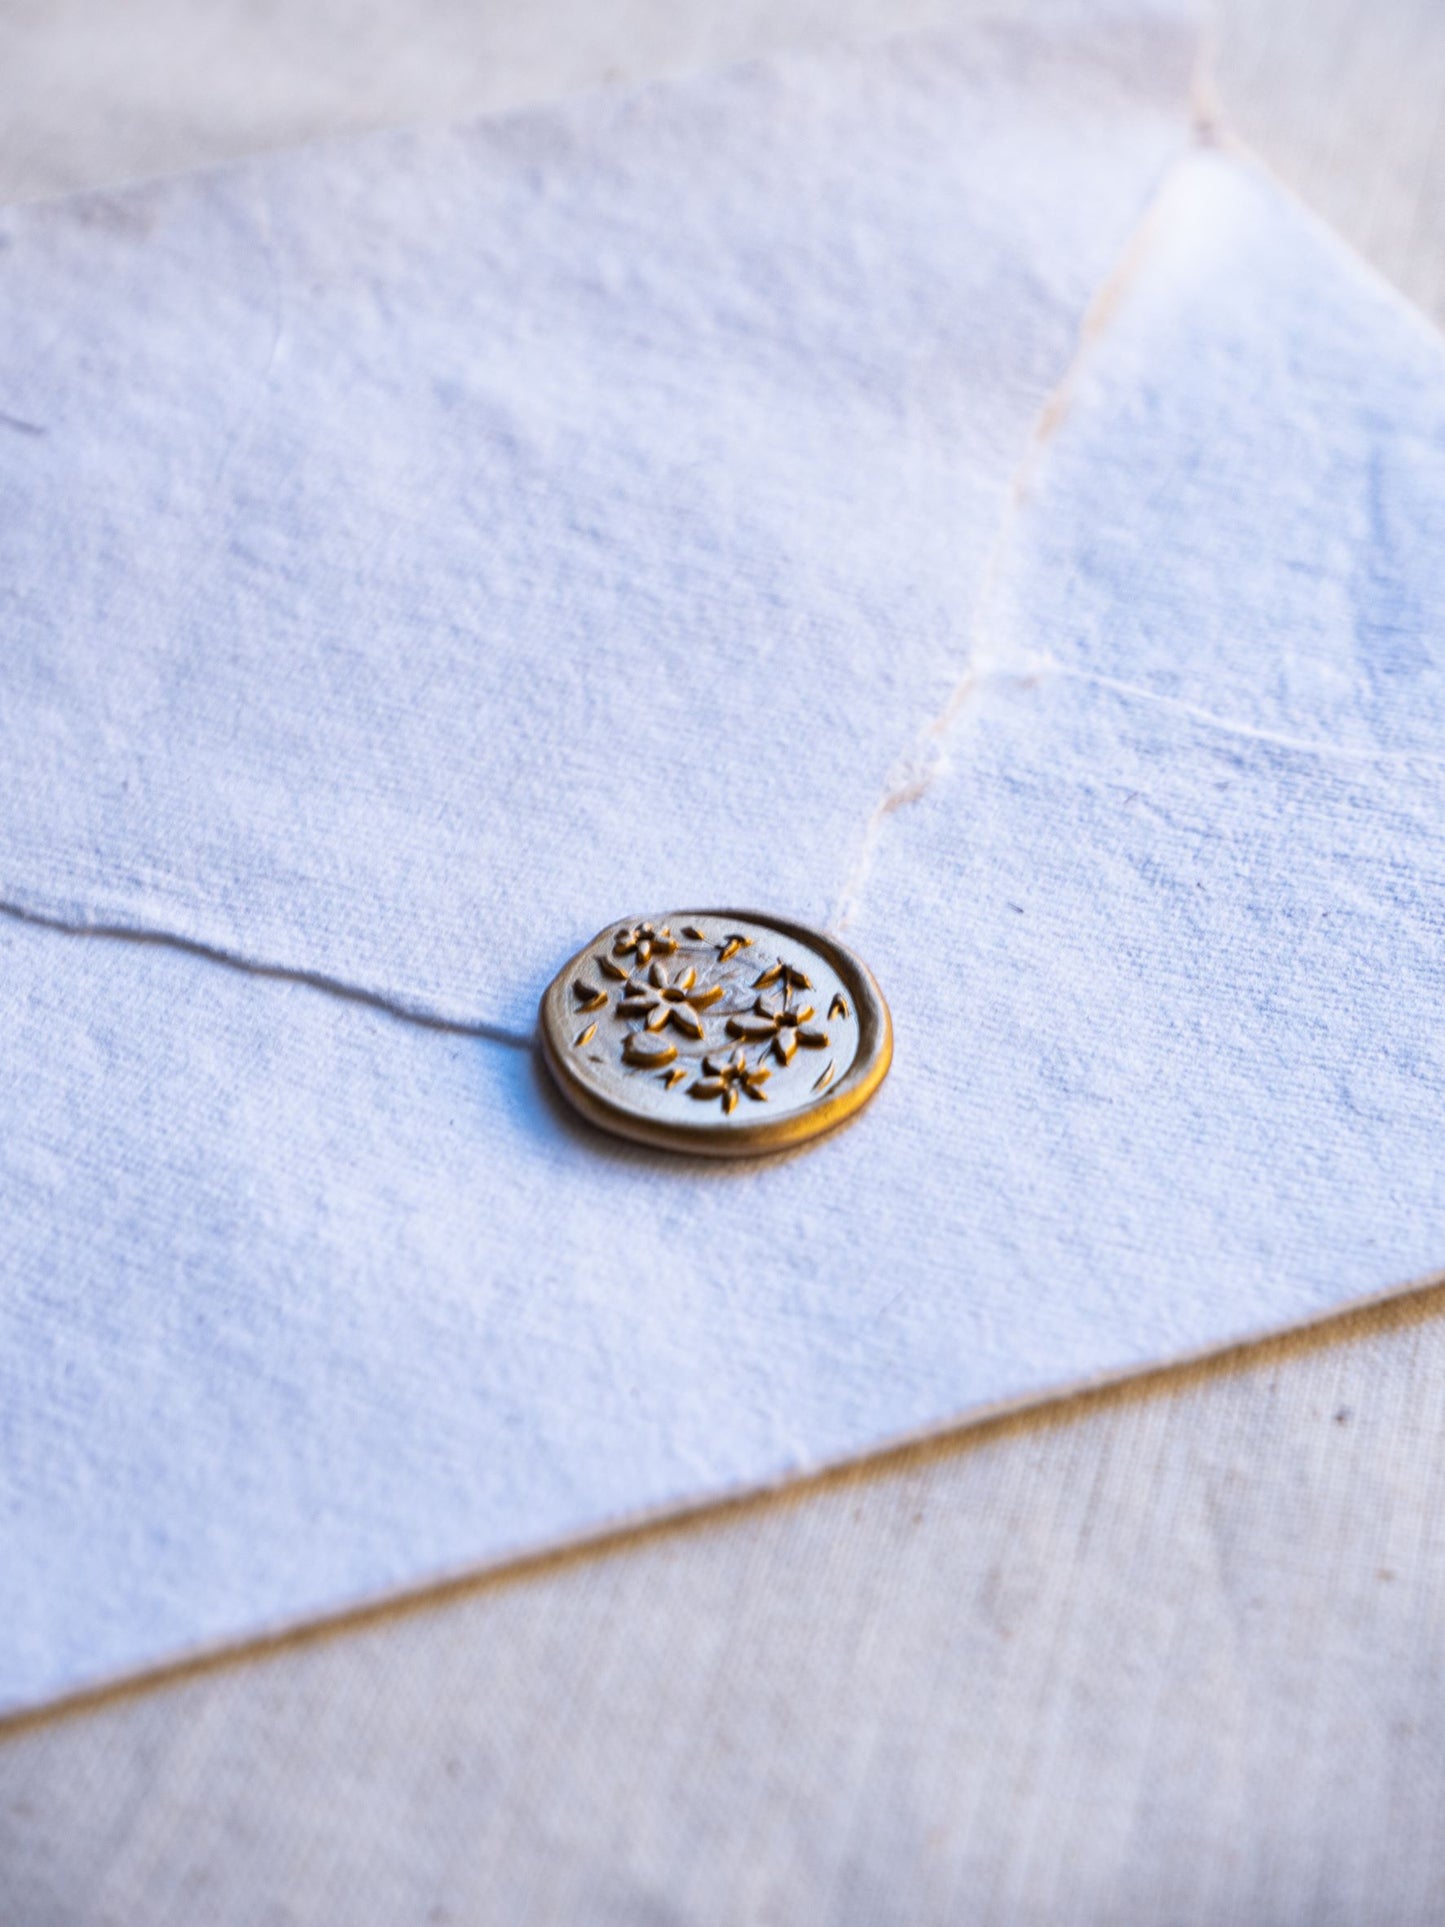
x=1345, y=101
x=97, y=94
x=1173, y=1654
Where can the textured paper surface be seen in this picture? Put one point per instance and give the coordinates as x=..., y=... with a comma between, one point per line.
x=438, y=543
x=304, y=1301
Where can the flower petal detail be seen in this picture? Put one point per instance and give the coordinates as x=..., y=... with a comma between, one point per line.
x=650, y=1052
x=686, y=1020
x=753, y=1028
x=813, y=1039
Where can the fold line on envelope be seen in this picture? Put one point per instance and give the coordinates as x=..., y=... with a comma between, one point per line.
x=278, y=973
x=927, y=757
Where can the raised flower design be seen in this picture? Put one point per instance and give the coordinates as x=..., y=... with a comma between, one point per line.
x=645, y=1051
x=645, y=942
x=718, y=1032
x=666, y=1009
x=728, y=1078
x=780, y=1024
x=660, y=1000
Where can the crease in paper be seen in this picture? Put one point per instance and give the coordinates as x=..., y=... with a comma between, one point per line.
x=988, y=655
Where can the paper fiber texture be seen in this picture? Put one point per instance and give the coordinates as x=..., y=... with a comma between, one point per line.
x=423, y=547
x=303, y=1301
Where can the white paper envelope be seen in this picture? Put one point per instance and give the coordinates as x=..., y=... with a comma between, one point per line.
x=913, y=487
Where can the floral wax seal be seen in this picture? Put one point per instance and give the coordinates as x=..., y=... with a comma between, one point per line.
x=720, y=1032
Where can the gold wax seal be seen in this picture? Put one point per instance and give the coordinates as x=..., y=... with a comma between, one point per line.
x=721, y=1032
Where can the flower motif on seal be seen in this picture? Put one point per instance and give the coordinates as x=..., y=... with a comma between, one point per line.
x=660, y=1002
x=728, y=1077
x=702, y=1021
x=719, y=1033
x=781, y=1025
x=645, y=942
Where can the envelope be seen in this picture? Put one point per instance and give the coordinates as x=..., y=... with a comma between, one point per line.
x=925, y=488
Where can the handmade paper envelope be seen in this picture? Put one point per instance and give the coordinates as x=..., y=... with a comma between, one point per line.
x=913, y=487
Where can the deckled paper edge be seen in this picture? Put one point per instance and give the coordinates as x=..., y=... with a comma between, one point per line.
x=447, y=1582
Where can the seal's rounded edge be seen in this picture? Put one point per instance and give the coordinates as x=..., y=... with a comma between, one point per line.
x=853, y=1090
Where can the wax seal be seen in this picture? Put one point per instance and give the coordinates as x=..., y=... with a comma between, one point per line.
x=720, y=1032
